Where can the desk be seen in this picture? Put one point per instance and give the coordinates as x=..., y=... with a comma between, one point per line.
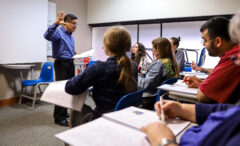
x=180, y=92
x=182, y=97
x=20, y=67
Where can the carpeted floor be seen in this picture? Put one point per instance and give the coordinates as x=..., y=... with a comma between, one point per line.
x=19, y=126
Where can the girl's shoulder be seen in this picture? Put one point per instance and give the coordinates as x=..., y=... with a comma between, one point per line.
x=165, y=60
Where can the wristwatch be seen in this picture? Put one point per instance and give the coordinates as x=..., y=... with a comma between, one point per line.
x=165, y=142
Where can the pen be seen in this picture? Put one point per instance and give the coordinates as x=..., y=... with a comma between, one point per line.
x=162, y=116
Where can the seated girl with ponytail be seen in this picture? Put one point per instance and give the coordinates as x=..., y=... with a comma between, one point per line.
x=111, y=79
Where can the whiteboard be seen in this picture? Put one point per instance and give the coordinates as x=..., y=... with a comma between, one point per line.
x=23, y=23
x=51, y=19
x=107, y=11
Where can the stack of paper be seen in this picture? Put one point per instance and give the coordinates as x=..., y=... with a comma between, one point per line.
x=180, y=91
x=199, y=75
x=118, y=129
x=55, y=94
x=177, y=88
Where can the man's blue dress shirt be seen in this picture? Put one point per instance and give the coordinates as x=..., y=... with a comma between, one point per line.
x=62, y=42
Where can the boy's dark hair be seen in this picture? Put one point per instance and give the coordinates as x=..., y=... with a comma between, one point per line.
x=217, y=27
x=69, y=17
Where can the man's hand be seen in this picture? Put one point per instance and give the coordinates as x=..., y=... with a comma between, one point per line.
x=157, y=131
x=171, y=109
x=60, y=18
x=195, y=67
x=192, y=81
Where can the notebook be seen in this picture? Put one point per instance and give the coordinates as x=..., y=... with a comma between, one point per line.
x=118, y=128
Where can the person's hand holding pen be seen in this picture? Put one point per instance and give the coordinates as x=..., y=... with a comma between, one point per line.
x=192, y=81
x=60, y=18
x=170, y=108
x=157, y=131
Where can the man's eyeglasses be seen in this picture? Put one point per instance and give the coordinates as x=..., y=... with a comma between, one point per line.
x=73, y=23
x=205, y=41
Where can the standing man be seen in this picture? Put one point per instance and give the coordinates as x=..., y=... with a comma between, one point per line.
x=63, y=51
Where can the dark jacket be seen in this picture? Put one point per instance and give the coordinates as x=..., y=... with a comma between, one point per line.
x=103, y=76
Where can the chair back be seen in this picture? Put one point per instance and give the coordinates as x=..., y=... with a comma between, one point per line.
x=202, y=57
x=91, y=62
x=131, y=99
x=47, y=72
x=169, y=81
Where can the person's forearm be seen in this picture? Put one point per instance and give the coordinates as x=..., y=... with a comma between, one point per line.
x=188, y=112
x=202, y=98
x=207, y=71
x=50, y=32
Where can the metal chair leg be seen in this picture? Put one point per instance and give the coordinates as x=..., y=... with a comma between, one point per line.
x=34, y=97
x=20, y=99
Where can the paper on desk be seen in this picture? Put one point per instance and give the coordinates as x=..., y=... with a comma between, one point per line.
x=137, y=118
x=102, y=132
x=181, y=83
x=116, y=129
x=177, y=88
x=199, y=75
x=55, y=94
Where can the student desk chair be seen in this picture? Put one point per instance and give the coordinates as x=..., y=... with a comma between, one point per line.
x=46, y=76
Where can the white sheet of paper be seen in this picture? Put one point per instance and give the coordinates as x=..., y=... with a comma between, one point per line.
x=88, y=53
x=176, y=88
x=102, y=132
x=180, y=83
x=199, y=75
x=55, y=94
x=137, y=118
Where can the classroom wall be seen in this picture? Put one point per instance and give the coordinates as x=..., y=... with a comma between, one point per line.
x=10, y=86
x=82, y=35
x=105, y=11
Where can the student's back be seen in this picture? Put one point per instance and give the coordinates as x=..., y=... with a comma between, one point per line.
x=110, y=79
x=103, y=76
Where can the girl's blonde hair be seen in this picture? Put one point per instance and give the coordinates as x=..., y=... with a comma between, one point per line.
x=118, y=41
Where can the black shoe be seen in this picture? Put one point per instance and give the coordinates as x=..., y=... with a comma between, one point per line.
x=62, y=122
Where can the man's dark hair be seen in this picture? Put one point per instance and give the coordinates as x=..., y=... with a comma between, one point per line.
x=217, y=27
x=69, y=17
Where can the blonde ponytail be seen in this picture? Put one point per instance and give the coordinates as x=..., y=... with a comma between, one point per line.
x=117, y=41
x=126, y=78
